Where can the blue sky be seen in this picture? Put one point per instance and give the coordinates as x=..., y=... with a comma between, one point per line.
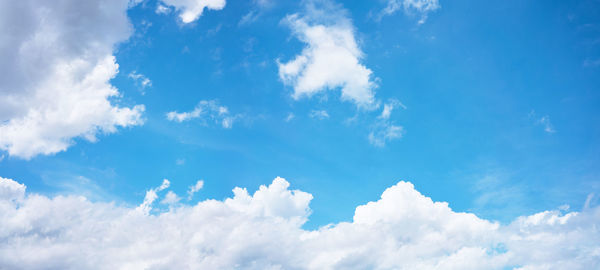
x=491, y=106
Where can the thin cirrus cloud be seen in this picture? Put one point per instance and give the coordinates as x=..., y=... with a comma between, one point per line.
x=331, y=58
x=57, y=63
x=207, y=111
x=402, y=230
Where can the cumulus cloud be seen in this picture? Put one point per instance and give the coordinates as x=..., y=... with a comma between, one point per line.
x=191, y=10
x=402, y=230
x=206, y=110
x=331, y=58
x=57, y=64
x=421, y=7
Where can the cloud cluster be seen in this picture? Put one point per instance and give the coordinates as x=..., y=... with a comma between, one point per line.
x=57, y=64
x=401, y=230
x=330, y=60
x=190, y=10
x=206, y=110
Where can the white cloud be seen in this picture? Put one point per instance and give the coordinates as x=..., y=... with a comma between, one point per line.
x=195, y=188
x=57, y=64
x=330, y=60
x=191, y=10
x=545, y=121
x=422, y=7
x=402, y=230
x=384, y=132
x=384, y=129
x=319, y=114
x=389, y=107
x=206, y=110
x=162, y=9
x=171, y=198
x=290, y=117
x=140, y=80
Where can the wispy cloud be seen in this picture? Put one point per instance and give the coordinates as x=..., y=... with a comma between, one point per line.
x=195, y=188
x=319, y=114
x=206, y=110
x=384, y=129
x=544, y=121
x=420, y=7
x=140, y=80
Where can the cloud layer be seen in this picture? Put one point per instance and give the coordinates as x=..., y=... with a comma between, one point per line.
x=402, y=230
x=330, y=60
x=54, y=79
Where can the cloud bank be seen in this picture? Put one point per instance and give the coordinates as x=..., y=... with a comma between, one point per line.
x=57, y=64
x=401, y=230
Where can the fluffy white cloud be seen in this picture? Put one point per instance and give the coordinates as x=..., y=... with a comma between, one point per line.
x=54, y=79
x=206, y=110
x=191, y=10
x=402, y=230
x=422, y=7
x=330, y=60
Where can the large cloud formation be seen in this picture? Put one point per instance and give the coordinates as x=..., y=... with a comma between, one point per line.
x=402, y=230
x=57, y=63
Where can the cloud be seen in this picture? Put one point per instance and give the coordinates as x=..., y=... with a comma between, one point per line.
x=384, y=129
x=57, y=64
x=195, y=188
x=290, y=117
x=422, y=7
x=319, y=114
x=544, y=121
x=191, y=10
x=162, y=9
x=140, y=80
x=171, y=198
x=331, y=58
x=259, y=7
x=206, y=110
x=402, y=230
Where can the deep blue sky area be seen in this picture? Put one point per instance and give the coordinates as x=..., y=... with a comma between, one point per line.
x=501, y=110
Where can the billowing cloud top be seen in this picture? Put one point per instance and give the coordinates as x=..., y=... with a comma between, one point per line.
x=402, y=230
x=57, y=64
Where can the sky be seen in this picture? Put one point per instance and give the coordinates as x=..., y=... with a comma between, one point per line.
x=160, y=134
